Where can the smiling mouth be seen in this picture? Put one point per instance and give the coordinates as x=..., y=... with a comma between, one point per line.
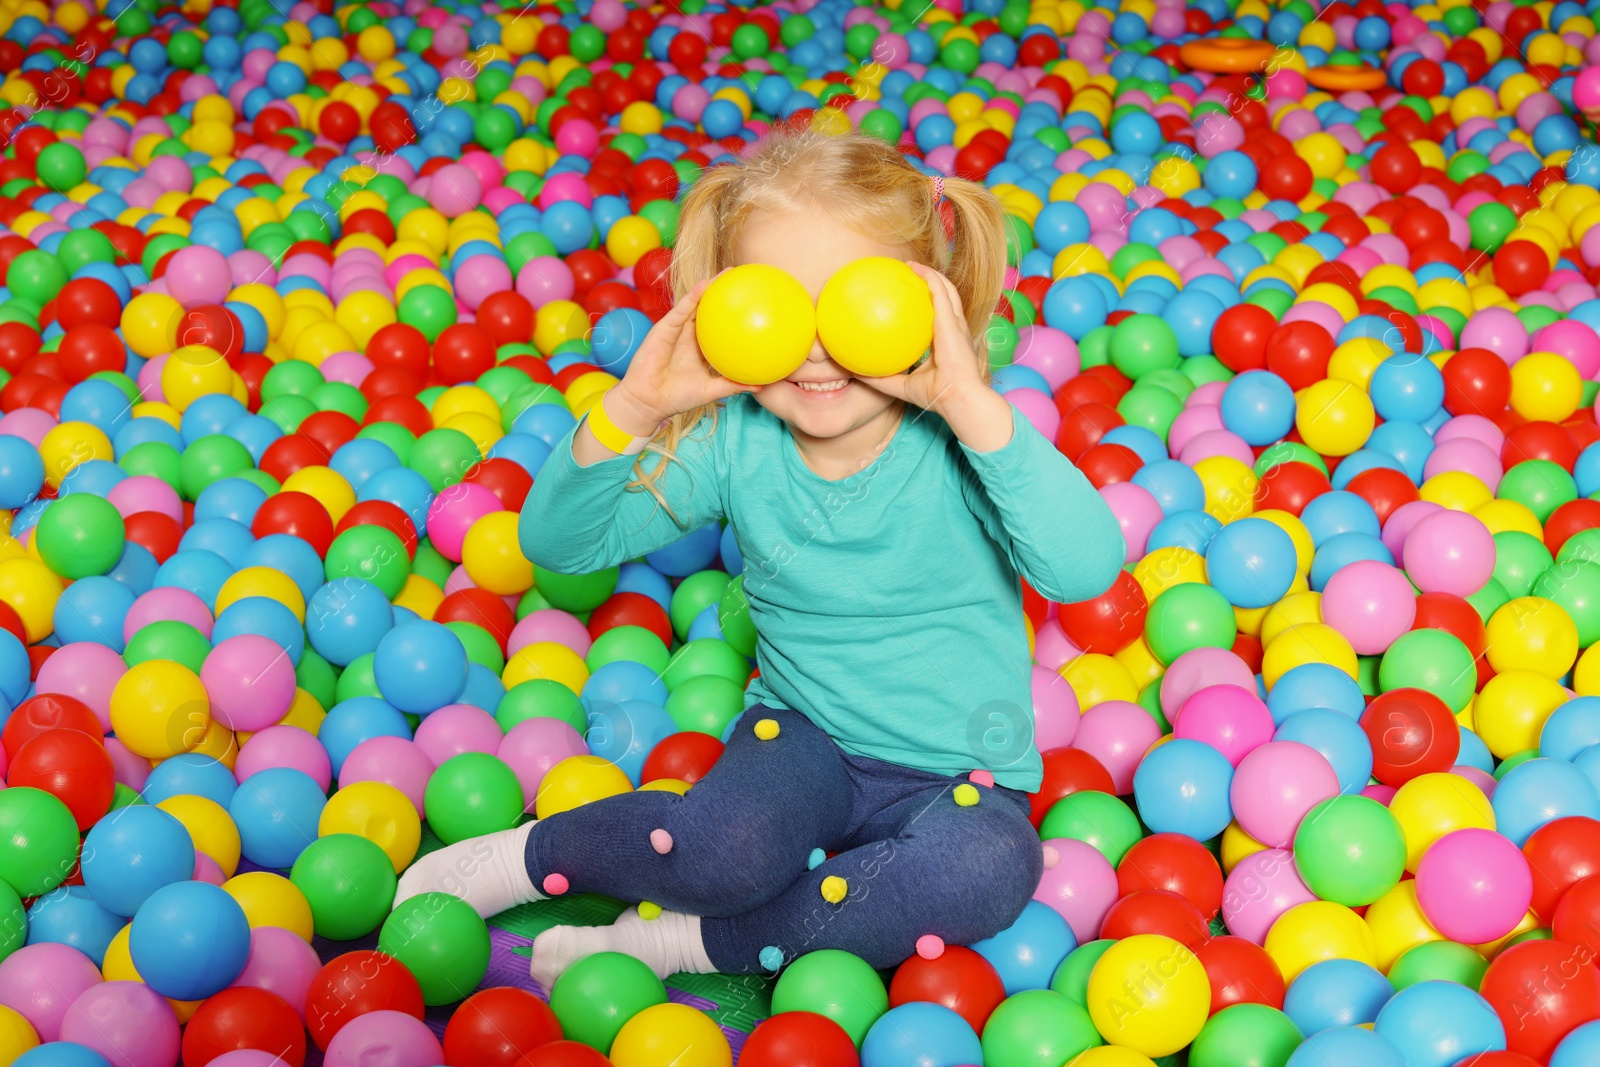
x=821, y=387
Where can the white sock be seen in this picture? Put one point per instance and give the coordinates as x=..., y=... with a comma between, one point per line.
x=668, y=944
x=488, y=872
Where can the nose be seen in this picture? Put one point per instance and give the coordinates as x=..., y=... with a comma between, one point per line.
x=817, y=353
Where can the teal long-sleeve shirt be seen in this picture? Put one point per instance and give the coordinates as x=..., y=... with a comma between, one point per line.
x=887, y=603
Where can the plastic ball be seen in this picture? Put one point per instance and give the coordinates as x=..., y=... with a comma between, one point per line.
x=875, y=316
x=1172, y=1011
x=755, y=309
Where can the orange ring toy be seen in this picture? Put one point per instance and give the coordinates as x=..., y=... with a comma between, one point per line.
x=1346, y=79
x=1227, y=55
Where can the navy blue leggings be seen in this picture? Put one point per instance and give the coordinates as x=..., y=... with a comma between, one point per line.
x=914, y=861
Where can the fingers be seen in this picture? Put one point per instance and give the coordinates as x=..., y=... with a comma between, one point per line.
x=722, y=388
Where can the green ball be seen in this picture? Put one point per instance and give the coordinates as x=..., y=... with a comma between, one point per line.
x=61, y=166
x=399, y=439
x=357, y=680
x=168, y=639
x=38, y=841
x=633, y=644
x=1575, y=586
x=36, y=276
x=1002, y=338
x=375, y=553
x=442, y=941
x=292, y=377
x=428, y=308
x=597, y=995
x=884, y=125
x=1072, y=974
x=316, y=676
x=430, y=563
x=1037, y=1028
x=835, y=984
x=693, y=595
x=733, y=615
x=1189, y=616
x=185, y=50
x=349, y=883
x=1438, y=961
x=495, y=128
x=707, y=655
x=1489, y=599
x=1519, y=558
x=1490, y=225
x=961, y=56
x=444, y=457
x=156, y=459
x=1095, y=818
x=1151, y=407
x=1245, y=1035
x=576, y=593
x=1539, y=485
x=80, y=535
x=1433, y=660
x=470, y=795
x=79, y=248
x=1143, y=343
x=1349, y=850
x=288, y=412
x=540, y=698
x=480, y=644
x=750, y=41
x=210, y=459
x=706, y=703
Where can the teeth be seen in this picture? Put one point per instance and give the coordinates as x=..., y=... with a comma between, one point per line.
x=824, y=387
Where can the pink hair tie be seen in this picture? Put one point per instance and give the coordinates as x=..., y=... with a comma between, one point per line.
x=942, y=208
x=938, y=188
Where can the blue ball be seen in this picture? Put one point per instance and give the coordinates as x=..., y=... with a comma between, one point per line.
x=1060, y=223
x=1336, y=993
x=1187, y=529
x=1075, y=306
x=1258, y=406
x=1570, y=729
x=189, y=940
x=920, y=1034
x=1192, y=314
x=624, y=733
x=190, y=774
x=1182, y=788
x=1343, y=549
x=93, y=609
x=1251, y=562
x=645, y=580
x=1330, y=514
x=1174, y=484
x=291, y=555
x=1408, y=387
x=358, y=719
x=359, y=459
x=624, y=680
x=1340, y=739
x=616, y=337
x=1027, y=953
x=420, y=666
x=1347, y=1045
x=1230, y=174
x=1315, y=685
x=1580, y=1048
x=61, y=1054
x=69, y=915
x=1538, y=792
x=133, y=851
x=1438, y=1024
x=345, y=619
x=233, y=499
x=277, y=811
x=1137, y=132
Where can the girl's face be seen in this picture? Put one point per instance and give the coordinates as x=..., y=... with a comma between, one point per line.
x=821, y=400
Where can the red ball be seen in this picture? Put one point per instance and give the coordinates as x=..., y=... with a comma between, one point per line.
x=1106, y=464
x=1498, y=1059
x=90, y=349
x=1067, y=771
x=45, y=713
x=1542, y=990
x=18, y=344
x=290, y=453
x=382, y=513
x=1561, y=853
x=796, y=1038
x=71, y=766
x=1286, y=177
x=328, y=430
x=1448, y=612
x=1577, y=917
x=631, y=609
x=399, y=345
x=1156, y=911
x=1520, y=267
x=506, y=479
x=1240, y=972
x=462, y=353
x=1298, y=352
x=295, y=513
x=1539, y=440
x=1176, y=864
x=1083, y=428
x=83, y=301
x=1290, y=487
x=958, y=978
x=1476, y=382
x=482, y=609
x=408, y=411
x=1568, y=519
x=1412, y=733
x=1111, y=621
x=1384, y=489
x=1239, y=337
x=155, y=531
x=1395, y=167
x=213, y=326
x=687, y=756
x=497, y=1027
x=244, y=1017
x=563, y=1054
x=507, y=317
x=354, y=984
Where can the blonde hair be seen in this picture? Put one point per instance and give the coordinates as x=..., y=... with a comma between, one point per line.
x=863, y=182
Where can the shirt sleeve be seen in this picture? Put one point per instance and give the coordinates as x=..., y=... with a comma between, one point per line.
x=582, y=519
x=1055, y=528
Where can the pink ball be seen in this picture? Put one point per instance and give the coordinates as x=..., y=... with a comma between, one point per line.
x=384, y=1039
x=1229, y=718
x=1572, y=339
x=144, y=492
x=250, y=681
x=1261, y=888
x=1079, y=883
x=246, y=1057
x=457, y=728
x=549, y=624
x=452, y=514
x=87, y=671
x=455, y=191
x=1450, y=552
x=198, y=274
x=168, y=602
x=480, y=277
x=128, y=1023
x=41, y=981
x=1199, y=668
x=1586, y=89
x=1052, y=649
x=280, y=962
x=1499, y=330
x=1402, y=520
x=565, y=186
x=1474, y=886
x=1117, y=733
x=545, y=279
x=1051, y=352
x=1371, y=603
x=284, y=746
x=1136, y=510
x=1038, y=409
x=1276, y=785
x=130, y=768
x=396, y=761
x=1055, y=710
x=533, y=746
x=207, y=870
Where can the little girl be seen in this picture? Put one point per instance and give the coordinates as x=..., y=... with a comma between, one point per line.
x=883, y=524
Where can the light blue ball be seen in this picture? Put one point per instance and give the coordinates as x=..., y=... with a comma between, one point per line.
x=69, y=915
x=1538, y=792
x=1340, y=739
x=189, y=940
x=626, y=732
x=1315, y=685
x=1182, y=788
x=1571, y=728
x=1580, y=1048
x=1438, y=1024
x=1027, y=953
x=1347, y=1045
x=132, y=852
x=277, y=811
x=61, y=1054
x=350, y=722
x=1258, y=406
x=1408, y=387
x=420, y=666
x=624, y=680
x=1336, y=993
x=1251, y=562
x=190, y=774
x=920, y=1034
x=346, y=618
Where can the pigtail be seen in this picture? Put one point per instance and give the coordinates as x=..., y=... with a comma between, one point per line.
x=977, y=262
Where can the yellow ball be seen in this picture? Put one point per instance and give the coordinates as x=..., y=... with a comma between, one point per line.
x=1432, y=805
x=69, y=445
x=1110, y=1056
x=875, y=316
x=629, y=238
x=118, y=967
x=192, y=372
x=159, y=709
x=30, y=589
x=1531, y=633
x=210, y=828
x=545, y=659
x=558, y=322
x=493, y=556
x=1315, y=931
x=364, y=314
x=269, y=899
x=1097, y=678
x=17, y=1035
x=266, y=582
x=1237, y=845
x=1510, y=711
x=1306, y=643
x=755, y=324
x=327, y=487
x=1334, y=417
x=150, y=324
x=670, y=1035
x=1149, y=993
x=378, y=812
x=1544, y=386
x=1230, y=487
x=1397, y=924
x=576, y=781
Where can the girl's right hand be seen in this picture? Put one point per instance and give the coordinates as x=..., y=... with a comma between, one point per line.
x=669, y=375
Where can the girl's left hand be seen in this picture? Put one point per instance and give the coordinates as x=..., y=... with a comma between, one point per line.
x=952, y=374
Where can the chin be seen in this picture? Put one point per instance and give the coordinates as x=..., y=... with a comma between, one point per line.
x=824, y=415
